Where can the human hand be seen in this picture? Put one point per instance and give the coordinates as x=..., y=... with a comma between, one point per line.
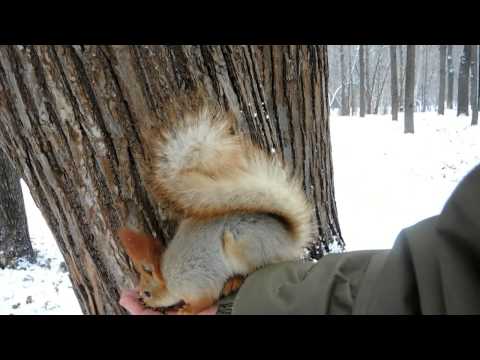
x=130, y=300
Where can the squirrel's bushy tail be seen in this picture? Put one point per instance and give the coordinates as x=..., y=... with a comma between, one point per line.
x=204, y=170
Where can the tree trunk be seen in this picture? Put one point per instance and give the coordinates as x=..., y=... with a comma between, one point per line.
x=352, y=87
x=409, y=89
x=474, y=90
x=380, y=92
x=441, y=93
x=362, y=80
x=451, y=75
x=74, y=119
x=14, y=238
x=349, y=88
x=394, y=81
x=368, y=95
x=425, y=73
x=373, y=80
x=385, y=103
x=463, y=75
x=344, y=102
x=402, y=79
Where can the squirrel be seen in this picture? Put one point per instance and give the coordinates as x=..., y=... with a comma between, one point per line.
x=241, y=209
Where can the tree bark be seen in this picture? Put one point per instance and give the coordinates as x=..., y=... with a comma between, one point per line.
x=474, y=90
x=362, y=80
x=368, y=96
x=353, y=109
x=463, y=75
x=374, y=87
x=344, y=101
x=425, y=78
x=380, y=92
x=74, y=119
x=451, y=75
x=441, y=93
x=394, y=81
x=409, y=89
x=14, y=237
x=402, y=79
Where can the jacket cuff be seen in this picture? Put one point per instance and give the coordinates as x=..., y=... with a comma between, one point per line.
x=225, y=305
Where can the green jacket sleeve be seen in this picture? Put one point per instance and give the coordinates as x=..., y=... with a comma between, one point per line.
x=329, y=286
x=433, y=268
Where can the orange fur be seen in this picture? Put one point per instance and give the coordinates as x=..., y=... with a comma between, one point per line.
x=144, y=251
x=232, y=285
x=194, y=306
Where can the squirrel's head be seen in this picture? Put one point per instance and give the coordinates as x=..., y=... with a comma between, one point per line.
x=146, y=254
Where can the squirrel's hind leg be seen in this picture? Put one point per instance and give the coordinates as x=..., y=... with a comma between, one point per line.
x=232, y=285
x=195, y=306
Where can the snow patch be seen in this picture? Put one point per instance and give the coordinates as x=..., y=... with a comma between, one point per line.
x=386, y=180
x=43, y=288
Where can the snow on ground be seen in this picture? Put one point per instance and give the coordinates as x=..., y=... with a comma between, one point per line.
x=386, y=180
x=41, y=288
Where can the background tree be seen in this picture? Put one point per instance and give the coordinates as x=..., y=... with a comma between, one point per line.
x=409, y=89
x=377, y=80
x=14, y=238
x=474, y=88
x=442, y=73
x=351, y=88
x=378, y=90
x=402, y=77
x=74, y=120
x=380, y=74
x=361, y=54
x=368, y=94
x=344, y=106
x=429, y=64
x=451, y=75
x=394, y=81
x=425, y=78
x=463, y=75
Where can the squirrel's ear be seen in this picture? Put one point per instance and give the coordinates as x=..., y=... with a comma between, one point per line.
x=137, y=245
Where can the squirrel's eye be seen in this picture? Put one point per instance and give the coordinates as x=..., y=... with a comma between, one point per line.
x=147, y=270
